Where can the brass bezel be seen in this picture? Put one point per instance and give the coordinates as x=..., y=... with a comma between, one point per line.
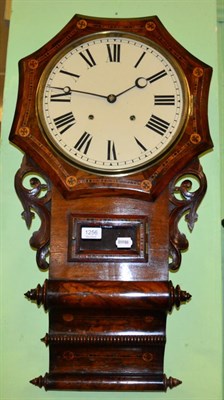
x=121, y=171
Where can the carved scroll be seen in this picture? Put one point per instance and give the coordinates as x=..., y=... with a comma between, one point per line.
x=36, y=199
x=186, y=204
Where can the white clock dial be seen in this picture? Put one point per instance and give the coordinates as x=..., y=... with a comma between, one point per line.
x=113, y=103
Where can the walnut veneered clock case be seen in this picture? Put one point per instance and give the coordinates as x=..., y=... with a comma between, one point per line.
x=111, y=116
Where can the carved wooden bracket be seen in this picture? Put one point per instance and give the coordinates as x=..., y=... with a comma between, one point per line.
x=186, y=204
x=36, y=199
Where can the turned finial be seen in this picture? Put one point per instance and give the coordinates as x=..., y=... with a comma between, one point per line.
x=39, y=381
x=38, y=295
x=172, y=382
x=178, y=296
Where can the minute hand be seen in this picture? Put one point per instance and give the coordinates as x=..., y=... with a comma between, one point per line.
x=89, y=93
x=68, y=90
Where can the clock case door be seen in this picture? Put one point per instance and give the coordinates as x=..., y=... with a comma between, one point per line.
x=108, y=298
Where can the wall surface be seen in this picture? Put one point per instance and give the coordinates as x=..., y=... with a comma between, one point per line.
x=194, y=345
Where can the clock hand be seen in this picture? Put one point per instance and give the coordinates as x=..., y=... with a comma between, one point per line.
x=68, y=90
x=111, y=98
x=139, y=83
x=65, y=89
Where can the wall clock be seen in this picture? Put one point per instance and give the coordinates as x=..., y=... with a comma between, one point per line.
x=111, y=116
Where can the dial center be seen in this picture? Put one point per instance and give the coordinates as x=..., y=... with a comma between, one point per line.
x=111, y=98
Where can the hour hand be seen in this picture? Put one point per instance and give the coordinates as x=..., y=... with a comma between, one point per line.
x=139, y=83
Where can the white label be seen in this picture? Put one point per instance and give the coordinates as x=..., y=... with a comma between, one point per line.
x=124, y=242
x=91, y=232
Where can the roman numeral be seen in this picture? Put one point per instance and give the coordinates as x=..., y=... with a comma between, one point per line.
x=87, y=56
x=157, y=76
x=62, y=97
x=84, y=143
x=69, y=73
x=65, y=121
x=111, y=152
x=164, y=100
x=114, y=52
x=139, y=60
x=157, y=125
x=140, y=144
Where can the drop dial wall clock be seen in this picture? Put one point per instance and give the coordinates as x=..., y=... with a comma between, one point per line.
x=111, y=116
